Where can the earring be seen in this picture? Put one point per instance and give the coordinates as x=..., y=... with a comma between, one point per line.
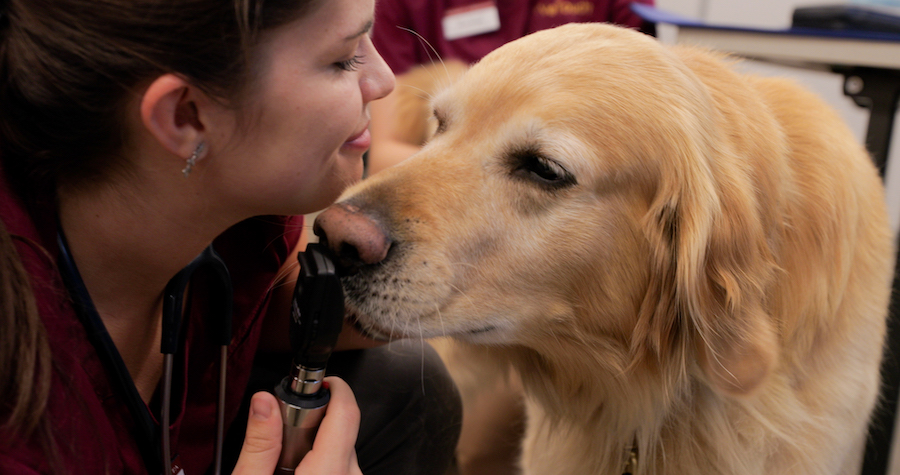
x=192, y=160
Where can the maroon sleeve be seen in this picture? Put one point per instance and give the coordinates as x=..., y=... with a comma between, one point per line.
x=10, y=466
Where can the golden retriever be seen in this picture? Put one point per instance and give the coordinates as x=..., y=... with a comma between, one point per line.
x=684, y=263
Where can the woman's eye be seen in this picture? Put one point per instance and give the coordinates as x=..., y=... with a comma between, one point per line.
x=351, y=64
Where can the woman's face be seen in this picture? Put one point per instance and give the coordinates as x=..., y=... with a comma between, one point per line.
x=308, y=114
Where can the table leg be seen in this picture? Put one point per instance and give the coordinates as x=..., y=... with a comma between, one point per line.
x=878, y=90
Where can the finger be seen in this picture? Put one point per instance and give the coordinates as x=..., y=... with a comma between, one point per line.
x=354, y=465
x=262, y=444
x=337, y=434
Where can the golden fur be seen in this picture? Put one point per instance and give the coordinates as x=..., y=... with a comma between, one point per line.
x=669, y=252
x=493, y=409
x=414, y=121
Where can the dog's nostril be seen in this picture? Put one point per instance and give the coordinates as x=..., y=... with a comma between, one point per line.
x=349, y=253
x=319, y=232
x=348, y=260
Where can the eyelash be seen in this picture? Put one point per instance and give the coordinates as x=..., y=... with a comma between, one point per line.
x=351, y=64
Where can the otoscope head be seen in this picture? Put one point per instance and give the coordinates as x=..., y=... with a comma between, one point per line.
x=317, y=309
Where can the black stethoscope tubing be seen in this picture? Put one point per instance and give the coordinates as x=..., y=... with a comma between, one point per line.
x=148, y=438
x=173, y=311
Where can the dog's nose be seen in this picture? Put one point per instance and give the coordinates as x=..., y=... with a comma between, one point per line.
x=355, y=237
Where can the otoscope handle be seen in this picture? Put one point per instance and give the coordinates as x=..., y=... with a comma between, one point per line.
x=301, y=415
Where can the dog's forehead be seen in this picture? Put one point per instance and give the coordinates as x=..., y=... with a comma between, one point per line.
x=587, y=65
x=573, y=46
x=586, y=84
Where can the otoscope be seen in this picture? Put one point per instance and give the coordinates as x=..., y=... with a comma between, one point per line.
x=317, y=315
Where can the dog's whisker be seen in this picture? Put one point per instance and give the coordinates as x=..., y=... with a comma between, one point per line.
x=462, y=293
x=393, y=330
x=431, y=47
x=425, y=95
x=422, y=343
x=465, y=264
x=278, y=285
x=440, y=315
x=281, y=277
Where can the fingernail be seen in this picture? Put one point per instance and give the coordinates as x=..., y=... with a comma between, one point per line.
x=260, y=408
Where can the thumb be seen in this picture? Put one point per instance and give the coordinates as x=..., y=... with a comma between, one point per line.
x=262, y=444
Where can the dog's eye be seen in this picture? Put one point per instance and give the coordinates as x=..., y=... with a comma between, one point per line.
x=441, y=122
x=530, y=165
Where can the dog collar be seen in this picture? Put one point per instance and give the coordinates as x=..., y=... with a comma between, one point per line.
x=631, y=460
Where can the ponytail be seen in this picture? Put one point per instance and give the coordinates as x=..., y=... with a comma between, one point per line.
x=25, y=357
x=25, y=361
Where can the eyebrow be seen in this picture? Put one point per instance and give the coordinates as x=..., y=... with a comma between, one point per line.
x=362, y=31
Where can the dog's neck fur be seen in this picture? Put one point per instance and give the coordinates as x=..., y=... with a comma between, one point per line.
x=679, y=426
x=556, y=398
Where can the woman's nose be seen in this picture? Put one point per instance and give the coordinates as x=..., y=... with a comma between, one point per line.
x=380, y=81
x=356, y=238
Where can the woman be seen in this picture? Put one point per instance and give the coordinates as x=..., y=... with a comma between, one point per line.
x=134, y=134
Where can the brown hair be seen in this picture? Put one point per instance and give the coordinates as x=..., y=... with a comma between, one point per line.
x=67, y=70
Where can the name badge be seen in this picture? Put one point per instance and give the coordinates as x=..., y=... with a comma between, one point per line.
x=176, y=466
x=470, y=20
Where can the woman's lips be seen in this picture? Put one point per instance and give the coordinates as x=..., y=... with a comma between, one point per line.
x=362, y=140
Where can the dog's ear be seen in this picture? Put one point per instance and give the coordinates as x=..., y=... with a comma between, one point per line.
x=711, y=267
x=723, y=288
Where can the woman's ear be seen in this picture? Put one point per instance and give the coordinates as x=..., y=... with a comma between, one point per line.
x=169, y=111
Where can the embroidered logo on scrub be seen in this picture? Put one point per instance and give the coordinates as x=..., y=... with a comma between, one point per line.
x=564, y=7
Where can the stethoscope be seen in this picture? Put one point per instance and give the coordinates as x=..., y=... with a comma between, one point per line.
x=156, y=450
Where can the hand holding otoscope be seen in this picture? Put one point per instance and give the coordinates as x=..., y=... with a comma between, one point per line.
x=317, y=315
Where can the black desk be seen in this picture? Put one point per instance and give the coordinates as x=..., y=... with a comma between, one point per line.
x=870, y=64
